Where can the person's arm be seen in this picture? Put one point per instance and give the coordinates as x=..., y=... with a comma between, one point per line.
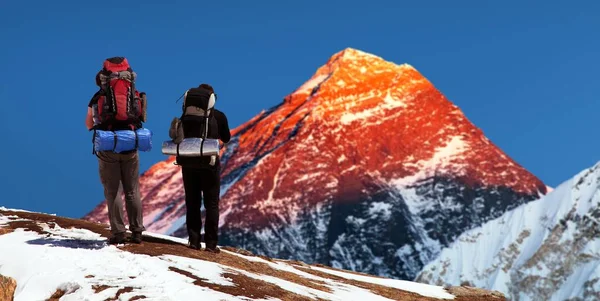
x=89, y=121
x=224, y=128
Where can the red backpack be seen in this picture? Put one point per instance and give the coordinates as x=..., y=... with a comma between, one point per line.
x=120, y=106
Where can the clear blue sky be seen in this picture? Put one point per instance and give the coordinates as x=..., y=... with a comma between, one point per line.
x=527, y=73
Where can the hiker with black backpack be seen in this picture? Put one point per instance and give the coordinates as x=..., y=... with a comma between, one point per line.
x=118, y=109
x=201, y=174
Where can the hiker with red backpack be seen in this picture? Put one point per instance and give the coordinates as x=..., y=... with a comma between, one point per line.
x=201, y=173
x=115, y=114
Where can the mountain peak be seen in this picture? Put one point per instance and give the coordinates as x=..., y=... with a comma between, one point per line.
x=393, y=121
x=350, y=54
x=352, y=71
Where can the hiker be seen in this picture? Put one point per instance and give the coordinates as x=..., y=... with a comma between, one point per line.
x=115, y=108
x=201, y=175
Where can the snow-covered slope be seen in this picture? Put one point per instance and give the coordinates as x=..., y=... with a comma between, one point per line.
x=548, y=249
x=49, y=256
x=366, y=166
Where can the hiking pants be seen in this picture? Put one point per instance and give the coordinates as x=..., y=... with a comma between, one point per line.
x=202, y=184
x=116, y=169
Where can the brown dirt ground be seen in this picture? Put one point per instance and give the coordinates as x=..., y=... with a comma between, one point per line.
x=244, y=285
x=256, y=288
x=119, y=292
x=57, y=295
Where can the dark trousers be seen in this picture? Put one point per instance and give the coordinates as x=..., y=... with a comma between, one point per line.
x=202, y=184
x=120, y=172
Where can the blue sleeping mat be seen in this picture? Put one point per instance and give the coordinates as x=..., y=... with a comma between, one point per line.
x=105, y=140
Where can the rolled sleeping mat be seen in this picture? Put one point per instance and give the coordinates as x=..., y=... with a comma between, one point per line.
x=125, y=140
x=190, y=147
x=144, y=139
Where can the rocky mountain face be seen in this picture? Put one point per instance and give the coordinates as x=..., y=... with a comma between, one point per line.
x=366, y=166
x=548, y=249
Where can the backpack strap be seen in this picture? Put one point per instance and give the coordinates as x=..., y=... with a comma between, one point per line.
x=93, y=141
x=213, y=158
x=132, y=100
x=205, y=132
x=116, y=139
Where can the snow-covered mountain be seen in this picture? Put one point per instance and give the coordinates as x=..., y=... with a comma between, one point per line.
x=45, y=257
x=548, y=249
x=366, y=166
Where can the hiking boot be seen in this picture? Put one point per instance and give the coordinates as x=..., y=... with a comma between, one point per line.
x=194, y=246
x=116, y=239
x=212, y=247
x=194, y=241
x=136, y=237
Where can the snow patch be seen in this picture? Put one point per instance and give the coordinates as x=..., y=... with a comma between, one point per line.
x=439, y=162
x=310, y=84
x=381, y=207
x=389, y=102
x=2, y=208
x=355, y=54
x=419, y=288
x=348, y=118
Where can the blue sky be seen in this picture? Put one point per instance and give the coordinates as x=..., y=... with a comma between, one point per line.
x=525, y=73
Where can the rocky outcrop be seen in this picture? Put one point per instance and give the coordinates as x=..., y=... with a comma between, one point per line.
x=7, y=288
x=473, y=293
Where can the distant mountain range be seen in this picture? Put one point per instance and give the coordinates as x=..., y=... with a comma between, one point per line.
x=548, y=249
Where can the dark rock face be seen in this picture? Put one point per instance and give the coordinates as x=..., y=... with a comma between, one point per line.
x=380, y=234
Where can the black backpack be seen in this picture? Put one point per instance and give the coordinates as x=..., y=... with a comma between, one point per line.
x=197, y=120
